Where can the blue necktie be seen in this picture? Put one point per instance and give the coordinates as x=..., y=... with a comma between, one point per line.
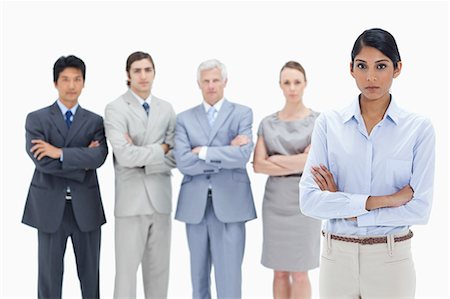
x=68, y=118
x=211, y=115
x=146, y=107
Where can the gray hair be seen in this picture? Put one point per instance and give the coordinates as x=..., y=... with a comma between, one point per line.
x=211, y=64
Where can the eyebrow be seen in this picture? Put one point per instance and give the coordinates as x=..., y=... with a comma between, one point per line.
x=381, y=60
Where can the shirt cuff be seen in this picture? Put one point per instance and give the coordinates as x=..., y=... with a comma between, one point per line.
x=62, y=155
x=367, y=219
x=357, y=204
x=202, y=153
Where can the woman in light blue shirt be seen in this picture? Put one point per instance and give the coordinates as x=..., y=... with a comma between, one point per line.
x=371, y=177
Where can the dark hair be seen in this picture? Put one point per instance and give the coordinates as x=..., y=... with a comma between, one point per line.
x=379, y=39
x=135, y=57
x=293, y=65
x=65, y=62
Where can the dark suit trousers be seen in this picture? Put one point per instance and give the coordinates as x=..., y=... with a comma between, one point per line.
x=52, y=247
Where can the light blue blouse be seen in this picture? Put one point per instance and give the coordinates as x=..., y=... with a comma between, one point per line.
x=400, y=150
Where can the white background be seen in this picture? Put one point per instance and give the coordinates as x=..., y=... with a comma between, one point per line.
x=254, y=39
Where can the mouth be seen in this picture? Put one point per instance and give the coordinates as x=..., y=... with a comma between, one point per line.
x=372, y=88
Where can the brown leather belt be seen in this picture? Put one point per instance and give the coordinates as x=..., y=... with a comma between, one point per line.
x=369, y=240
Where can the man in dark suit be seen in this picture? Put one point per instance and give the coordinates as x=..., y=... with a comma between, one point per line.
x=67, y=144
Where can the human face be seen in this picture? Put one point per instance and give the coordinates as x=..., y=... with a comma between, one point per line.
x=69, y=85
x=292, y=83
x=141, y=76
x=212, y=85
x=374, y=72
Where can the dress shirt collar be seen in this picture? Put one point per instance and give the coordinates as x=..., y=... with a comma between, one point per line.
x=217, y=106
x=354, y=111
x=64, y=109
x=141, y=100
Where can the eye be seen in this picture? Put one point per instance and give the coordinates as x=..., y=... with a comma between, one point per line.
x=286, y=83
x=297, y=82
x=149, y=70
x=361, y=66
x=381, y=66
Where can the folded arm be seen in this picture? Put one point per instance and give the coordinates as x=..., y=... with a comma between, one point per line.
x=126, y=153
x=237, y=154
x=263, y=164
x=91, y=157
x=187, y=161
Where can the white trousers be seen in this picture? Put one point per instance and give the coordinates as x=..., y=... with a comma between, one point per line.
x=352, y=270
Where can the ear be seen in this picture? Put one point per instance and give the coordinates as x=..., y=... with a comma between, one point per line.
x=225, y=83
x=398, y=70
x=351, y=70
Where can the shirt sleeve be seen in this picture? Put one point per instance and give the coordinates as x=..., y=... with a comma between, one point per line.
x=324, y=204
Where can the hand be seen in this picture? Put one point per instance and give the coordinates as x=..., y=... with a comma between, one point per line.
x=401, y=197
x=196, y=150
x=128, y=139
x=240, y=140
x=165, y=148
x=324, y=178
x=94, y=143
x=43, y=149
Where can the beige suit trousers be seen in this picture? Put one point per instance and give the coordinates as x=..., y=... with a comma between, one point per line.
x=142, y=240
x=352, y=270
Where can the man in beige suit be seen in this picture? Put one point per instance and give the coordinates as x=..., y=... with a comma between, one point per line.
x=140, y=128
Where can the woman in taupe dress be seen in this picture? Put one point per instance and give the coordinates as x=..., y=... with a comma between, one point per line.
x=291, y=243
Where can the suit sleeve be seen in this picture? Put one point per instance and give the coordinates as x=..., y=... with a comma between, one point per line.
x=187, y=162
x=85, y=157
x=231, y=157
x=129, y=155
x=47, y=165
x=169, y=159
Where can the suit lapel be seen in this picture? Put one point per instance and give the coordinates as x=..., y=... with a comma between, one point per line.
x=79, y=121
x=200, y=114
x=222, y=116
x=153, y=117
x=136, y=109
x=58, y=120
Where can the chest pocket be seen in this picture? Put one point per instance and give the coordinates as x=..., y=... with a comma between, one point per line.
x=398, y=172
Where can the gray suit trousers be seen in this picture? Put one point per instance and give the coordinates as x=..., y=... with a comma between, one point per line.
x=142, y=240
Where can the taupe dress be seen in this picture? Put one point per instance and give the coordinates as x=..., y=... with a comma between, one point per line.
x=291, y=239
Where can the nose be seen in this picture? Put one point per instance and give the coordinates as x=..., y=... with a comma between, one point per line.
x=371, y=75
x=291, y=87
x=71, y=84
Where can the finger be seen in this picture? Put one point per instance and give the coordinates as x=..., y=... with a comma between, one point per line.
x=38, y=151
x=318, y=184
x=36, y=141
x=35, y=147
x=319, y=177
x=41, y=155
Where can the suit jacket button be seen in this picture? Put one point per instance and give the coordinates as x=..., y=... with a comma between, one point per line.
x=208, y=177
